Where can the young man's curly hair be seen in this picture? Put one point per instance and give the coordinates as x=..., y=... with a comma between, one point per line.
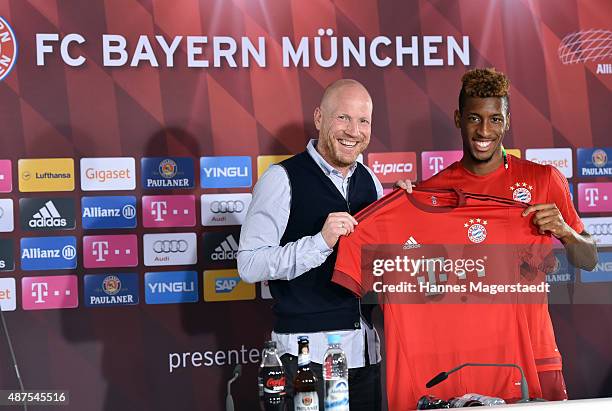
x=484, y=83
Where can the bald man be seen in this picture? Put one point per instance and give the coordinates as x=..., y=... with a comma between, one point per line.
x=300, y=208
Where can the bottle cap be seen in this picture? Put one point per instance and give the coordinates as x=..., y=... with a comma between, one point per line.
x=333, y=338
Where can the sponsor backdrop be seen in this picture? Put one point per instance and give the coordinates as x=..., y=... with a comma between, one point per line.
x=133, y=132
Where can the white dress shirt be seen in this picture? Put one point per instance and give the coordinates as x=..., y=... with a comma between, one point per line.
x=260, y=256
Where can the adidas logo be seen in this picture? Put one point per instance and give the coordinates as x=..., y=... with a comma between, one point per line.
x=47, y=216
x=227, y=250
x=411, y=243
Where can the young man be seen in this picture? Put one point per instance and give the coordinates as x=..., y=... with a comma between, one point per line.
x=300, y=208
x=483, y=118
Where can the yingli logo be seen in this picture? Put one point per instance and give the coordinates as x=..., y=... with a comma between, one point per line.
x=8, y=48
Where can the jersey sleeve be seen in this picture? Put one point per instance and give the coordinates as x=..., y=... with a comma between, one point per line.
x=347, y=271
x=558, y=193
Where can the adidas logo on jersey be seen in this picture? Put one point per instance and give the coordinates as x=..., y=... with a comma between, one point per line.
x=411, y=243
x=227, y=250
x=47, y=216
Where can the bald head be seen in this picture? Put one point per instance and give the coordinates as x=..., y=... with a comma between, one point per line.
x=344, y=123
x=340, y=87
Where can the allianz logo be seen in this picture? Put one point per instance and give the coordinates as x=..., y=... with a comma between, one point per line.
x=172, y=287
x=47, y=216
x=68, y=252
x=227, y=250
x=218, y=172
x=128, y=212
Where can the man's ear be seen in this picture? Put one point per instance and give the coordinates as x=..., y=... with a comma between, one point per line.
x=318, y=118
x=508, y=122
x=457, y=119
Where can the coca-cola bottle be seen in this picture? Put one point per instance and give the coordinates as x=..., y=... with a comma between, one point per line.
x=271, y=380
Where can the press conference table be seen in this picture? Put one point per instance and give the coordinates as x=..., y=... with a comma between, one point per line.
x=590, y=404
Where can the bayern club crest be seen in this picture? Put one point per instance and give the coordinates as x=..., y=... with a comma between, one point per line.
x=521, y=192
x=476, y=230
x=111, y=285
x=8, y=48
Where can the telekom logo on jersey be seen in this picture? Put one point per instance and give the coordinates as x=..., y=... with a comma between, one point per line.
x=169, y=211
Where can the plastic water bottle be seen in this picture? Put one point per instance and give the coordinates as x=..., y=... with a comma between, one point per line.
x=335, y=376
x=473, y=400
x=271, y=380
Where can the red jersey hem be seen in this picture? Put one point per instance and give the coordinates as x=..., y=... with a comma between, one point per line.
x=346, y=281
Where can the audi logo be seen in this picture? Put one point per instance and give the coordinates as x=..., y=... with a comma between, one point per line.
x=170, y=246
x=600, y=229
x=232, y=206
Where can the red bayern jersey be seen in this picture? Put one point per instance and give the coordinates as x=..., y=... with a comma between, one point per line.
x=531, y=183
x=424, y=339
x=523, y=181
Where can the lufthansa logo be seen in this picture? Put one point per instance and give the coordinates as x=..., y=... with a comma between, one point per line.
x=170, y=246
x=233, y=206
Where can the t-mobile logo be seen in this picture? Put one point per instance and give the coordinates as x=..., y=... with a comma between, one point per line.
x=43, y=293
x=110, y=251
x=39, y=290
x=100, y=250
x=159, y=209
x=436, y=164
x=169, y=211
x=592, y=196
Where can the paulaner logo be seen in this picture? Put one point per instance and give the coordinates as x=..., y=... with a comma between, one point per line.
x=167, y=172
x=8, y=48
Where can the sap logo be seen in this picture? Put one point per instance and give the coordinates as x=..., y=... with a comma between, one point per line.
x=226, y=285
x=225, y=172
x=174, y=287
